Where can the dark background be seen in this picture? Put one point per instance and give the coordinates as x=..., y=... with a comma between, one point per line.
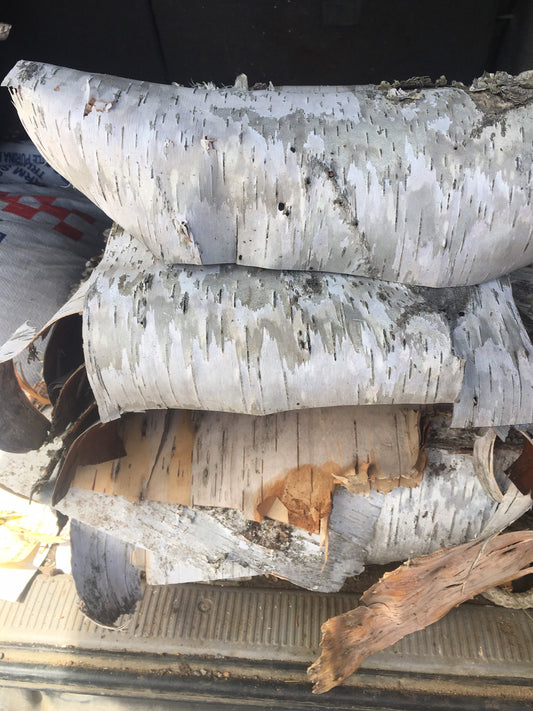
x=283, y=41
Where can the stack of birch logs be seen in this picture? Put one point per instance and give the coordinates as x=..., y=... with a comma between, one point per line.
x=301, y=310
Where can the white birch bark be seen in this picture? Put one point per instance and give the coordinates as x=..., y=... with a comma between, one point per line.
x=431, y=187
x=498, y=353
x=255, y=342
x=235, y=339
x=448, y=508
x=225, y=460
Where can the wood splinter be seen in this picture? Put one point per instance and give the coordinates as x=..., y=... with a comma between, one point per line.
x=412, y=597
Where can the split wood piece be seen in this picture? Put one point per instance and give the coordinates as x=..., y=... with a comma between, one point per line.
x=264, y=466
x=206, y=538
x=425, y=187
x=412, y=597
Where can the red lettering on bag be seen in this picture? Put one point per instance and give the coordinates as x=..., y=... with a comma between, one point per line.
x=46, y=204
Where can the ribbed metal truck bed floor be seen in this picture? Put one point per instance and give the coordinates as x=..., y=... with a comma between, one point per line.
x=209, y=646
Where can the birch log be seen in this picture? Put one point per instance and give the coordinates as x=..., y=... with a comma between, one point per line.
x=283, y=466
x=448, y=508
x=255, y=342
x=236, y=339
x=429, y=187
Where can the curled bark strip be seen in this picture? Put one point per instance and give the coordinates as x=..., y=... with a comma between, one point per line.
x=74, y=398
x=510, y=600
x=425, y=187
x=484, y=465
x=100, y=443
x=412, y=597
x=106, y=581
x=521, y=471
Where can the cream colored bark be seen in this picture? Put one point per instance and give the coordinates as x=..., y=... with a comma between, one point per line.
x=427, y=187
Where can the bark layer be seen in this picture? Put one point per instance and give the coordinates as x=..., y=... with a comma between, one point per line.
x=236, y=339
x=430, y=187
x=255, y=342
x=412, y=597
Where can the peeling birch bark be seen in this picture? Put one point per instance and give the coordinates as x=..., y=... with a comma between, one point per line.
x=429, y=188
x=237, y=461
x=483, y=464
x=449, y=507
x=256, y=342
x=498, y=376
x=410, y=598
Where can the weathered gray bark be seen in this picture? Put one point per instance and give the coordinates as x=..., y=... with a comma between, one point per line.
x=108, y=584
x=430, y=187
x=412, y=597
